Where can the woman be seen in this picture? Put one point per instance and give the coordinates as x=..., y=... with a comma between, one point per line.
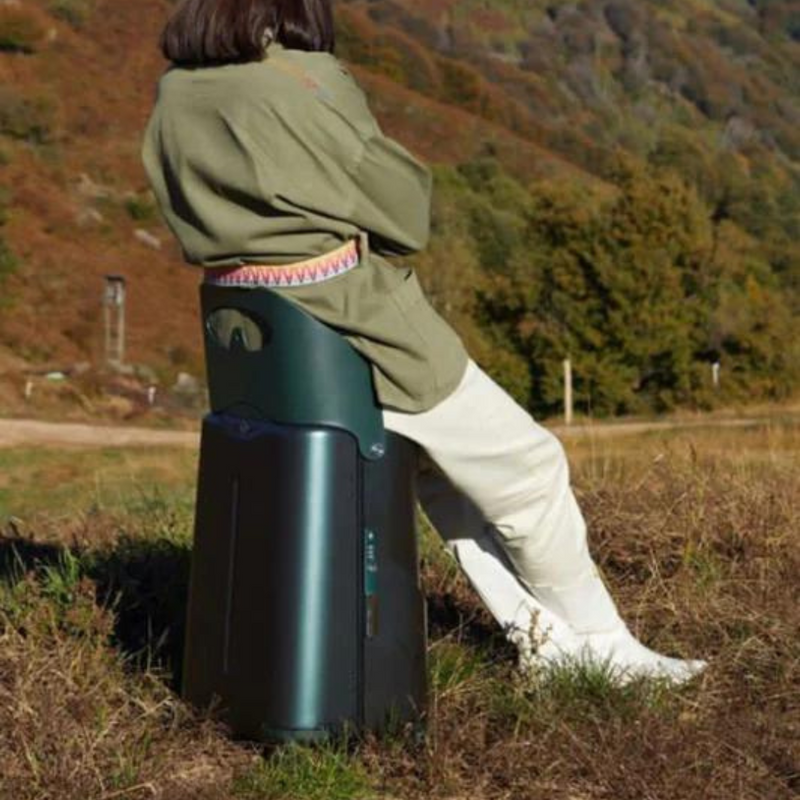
x=271, y=172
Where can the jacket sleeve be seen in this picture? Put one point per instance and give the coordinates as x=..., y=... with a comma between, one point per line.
x=322, y=149
x=392, y=189
x=392, y=197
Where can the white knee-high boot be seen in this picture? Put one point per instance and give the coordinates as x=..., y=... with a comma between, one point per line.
x=516, y=474
x=547, y=625
x=601, y=635
x=538, y=634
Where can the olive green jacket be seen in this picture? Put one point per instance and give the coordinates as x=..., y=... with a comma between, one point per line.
x=281, y=160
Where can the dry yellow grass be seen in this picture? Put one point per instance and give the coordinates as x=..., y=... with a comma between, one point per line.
x=698, y=533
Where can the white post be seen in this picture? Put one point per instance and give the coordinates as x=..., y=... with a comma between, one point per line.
x=568, y=391
x=715, y=367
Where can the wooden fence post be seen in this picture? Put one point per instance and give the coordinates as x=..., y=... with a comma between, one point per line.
x=568, y=391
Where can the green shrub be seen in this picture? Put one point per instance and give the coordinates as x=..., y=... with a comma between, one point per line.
x=357, y=42
x=74, y=12
x=20, y=31
x=461, y=85
x=26, y=117
x=8, y=261
x=141, y=209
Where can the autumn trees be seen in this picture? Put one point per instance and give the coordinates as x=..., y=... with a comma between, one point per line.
x=643, y=290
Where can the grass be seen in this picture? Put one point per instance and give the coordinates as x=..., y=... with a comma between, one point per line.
x=50, y=487
x=697, y=533
x=326, y=772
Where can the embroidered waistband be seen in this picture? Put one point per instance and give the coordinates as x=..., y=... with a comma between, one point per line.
x=313, y=270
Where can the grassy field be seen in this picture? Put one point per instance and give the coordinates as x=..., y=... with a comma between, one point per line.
x=698, y=533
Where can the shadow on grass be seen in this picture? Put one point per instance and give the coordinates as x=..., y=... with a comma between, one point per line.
x=448, y=617
x=145, y=582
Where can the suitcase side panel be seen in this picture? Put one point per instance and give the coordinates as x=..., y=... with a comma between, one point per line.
x=276, y=586
x=395, y=677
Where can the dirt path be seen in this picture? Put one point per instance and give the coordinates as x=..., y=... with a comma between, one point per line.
x=628, y=428
x=27, y=433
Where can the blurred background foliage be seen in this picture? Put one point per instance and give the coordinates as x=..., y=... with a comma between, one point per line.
x=617, y=182
x=684, y=248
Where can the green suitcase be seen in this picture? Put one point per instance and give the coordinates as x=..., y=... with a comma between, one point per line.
x=305, y=613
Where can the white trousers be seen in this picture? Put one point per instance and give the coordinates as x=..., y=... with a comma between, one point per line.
x=501, y=498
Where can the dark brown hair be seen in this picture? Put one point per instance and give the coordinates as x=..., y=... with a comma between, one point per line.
x=205, y=32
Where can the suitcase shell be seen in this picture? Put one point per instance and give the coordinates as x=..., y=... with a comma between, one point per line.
x=305, y=613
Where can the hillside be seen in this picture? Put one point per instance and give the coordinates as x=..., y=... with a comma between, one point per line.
x=548, y=122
